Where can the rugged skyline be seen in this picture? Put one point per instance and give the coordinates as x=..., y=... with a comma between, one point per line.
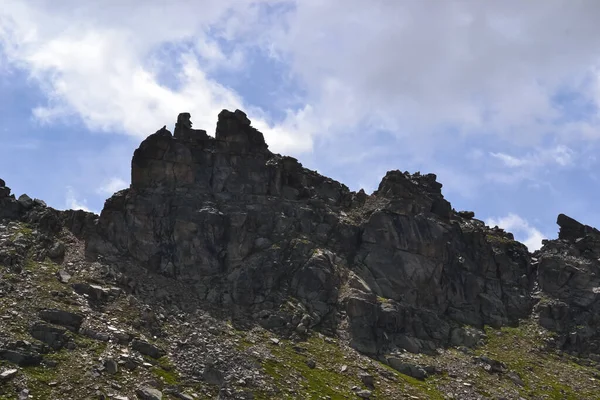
x=229, y=271
x=500, y=100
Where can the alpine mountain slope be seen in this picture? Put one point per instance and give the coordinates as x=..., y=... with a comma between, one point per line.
x=227, y=271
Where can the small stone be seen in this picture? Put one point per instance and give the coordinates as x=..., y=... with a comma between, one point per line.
x=184, y=396
x=71, y=345
x=63, y=276
x=8, y=374
x=147, y=349
x=129, y=363
x=111, y=366
x=212, y=375
x=24, y=394
x=275, y=341
x=367, y=379
x=364, y=394
x=57, y=250
x=146, y=393
x=344, y=368
x=515, y=378
x=311, y=364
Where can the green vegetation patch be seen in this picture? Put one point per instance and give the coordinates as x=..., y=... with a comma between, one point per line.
x=545, y=374
x=165, y=370
x=23, y=229
x=334, y=374
x=498, y=240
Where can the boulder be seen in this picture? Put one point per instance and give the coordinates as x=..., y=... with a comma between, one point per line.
x=54, y=337
x=70, y=320
x=20, y=357
x=25, y=201
x=412, y=370
x=147, y=393
x=571, y=229
x=9, y=373
x=146, y=348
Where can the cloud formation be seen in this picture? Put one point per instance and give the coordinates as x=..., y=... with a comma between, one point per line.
x=481, y=67
x=497, y=67
x=106, y=66
x=73, y=203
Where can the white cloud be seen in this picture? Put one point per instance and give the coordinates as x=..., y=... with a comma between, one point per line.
x=509, y=160
x=404, y=66
x=111, y=186
x=72, y=203
x=523, y=231
x=532, y=167
x=560, y=155
x=415, y=68
x=105, y=66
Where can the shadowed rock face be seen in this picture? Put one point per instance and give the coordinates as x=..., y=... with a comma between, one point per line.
x=569, y=278
x=250, y=229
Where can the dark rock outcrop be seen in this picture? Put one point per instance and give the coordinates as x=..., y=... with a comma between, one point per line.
x=146, y=348
x=250, y=231
x=35, y=211
x=249, y=228
x=569, y=279
x=52, y=336
x=9, y=207
x=67, y=319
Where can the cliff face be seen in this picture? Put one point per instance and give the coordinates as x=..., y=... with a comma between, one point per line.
x=569, y=280
x=250, y=230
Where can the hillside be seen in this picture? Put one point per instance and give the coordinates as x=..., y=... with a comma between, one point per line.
x=227, y=271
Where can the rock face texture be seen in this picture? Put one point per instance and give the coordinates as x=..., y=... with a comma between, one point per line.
x=569, y=278
x=252, y=230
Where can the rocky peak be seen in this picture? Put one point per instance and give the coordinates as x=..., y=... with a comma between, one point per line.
x=249, y=228
x=234, y=127
x=191, y=157
x=9, y=208
x=572, y=230
x=414, y=193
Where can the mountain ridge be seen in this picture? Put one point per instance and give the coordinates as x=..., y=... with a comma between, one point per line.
x=259, y=240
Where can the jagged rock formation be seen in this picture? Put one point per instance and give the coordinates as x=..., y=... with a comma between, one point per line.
x=250, y=229
x=569, y=278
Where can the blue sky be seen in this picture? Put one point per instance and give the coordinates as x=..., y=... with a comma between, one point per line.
x=499, y=99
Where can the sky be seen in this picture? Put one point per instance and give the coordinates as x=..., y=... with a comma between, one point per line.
x=500, y=99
